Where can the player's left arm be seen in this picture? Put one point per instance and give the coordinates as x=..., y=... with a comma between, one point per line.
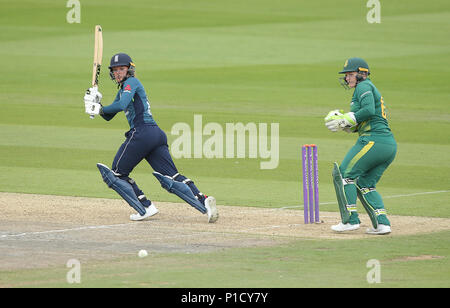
x=367, y=103
x=129, y=89
x=350, y=120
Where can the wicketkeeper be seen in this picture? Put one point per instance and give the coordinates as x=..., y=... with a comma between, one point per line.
x=372, y=154
x=144, y=140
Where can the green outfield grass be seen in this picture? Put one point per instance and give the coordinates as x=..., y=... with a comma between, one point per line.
x=414, y=261
x=234, y=61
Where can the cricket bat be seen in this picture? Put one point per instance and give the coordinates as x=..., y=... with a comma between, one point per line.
x=98, y=54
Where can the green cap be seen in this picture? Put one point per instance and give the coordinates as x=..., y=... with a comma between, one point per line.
x=355, y=65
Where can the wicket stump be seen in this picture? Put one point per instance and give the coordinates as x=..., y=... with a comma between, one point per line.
x=310, y=180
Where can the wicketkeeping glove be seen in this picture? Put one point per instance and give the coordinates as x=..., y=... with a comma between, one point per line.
x=350, y=129
x=336, y=121
x=333, y=113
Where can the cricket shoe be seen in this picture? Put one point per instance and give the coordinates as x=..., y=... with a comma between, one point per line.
x=211, y=209
x=149, y=211
x=340, y=227
x=381, y=230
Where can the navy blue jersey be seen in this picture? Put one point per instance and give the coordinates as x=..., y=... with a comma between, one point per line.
x=132, y=99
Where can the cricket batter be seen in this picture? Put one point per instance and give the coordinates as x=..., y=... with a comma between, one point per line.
x=144, y=140
x=365, y=162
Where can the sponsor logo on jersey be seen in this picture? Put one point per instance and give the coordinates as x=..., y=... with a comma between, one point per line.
x=127, y=89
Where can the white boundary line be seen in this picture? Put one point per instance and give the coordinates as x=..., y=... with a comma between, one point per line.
x=63, y=230
x=387, y=197
x=417, y=194
x=132, y=223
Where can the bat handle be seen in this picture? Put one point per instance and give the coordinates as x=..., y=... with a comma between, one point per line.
x=94, y=86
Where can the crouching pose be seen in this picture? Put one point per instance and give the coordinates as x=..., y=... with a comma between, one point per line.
x=144, y=140
x=366, y=161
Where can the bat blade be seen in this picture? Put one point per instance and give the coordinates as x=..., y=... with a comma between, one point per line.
x=98, y=54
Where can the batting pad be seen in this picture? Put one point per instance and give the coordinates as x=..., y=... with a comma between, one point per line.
x=180, y=189
x=122, y=187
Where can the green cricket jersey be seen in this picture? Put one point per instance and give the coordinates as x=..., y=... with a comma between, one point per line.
x=370, y=113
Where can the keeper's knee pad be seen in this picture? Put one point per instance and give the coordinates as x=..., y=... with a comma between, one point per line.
x=345, y=208
x=372, y=203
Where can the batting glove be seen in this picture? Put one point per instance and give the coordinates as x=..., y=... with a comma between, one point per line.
x=94, y=92
x=93, y=109
x=91, y=106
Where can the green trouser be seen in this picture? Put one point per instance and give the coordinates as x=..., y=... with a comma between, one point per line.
x=363, y=166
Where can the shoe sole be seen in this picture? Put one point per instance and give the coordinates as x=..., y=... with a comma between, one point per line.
x=213, y=209
x=377, y=233
x=340, y=231
x=144, y=217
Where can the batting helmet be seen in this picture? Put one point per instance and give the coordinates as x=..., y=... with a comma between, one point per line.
x=121, y=59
